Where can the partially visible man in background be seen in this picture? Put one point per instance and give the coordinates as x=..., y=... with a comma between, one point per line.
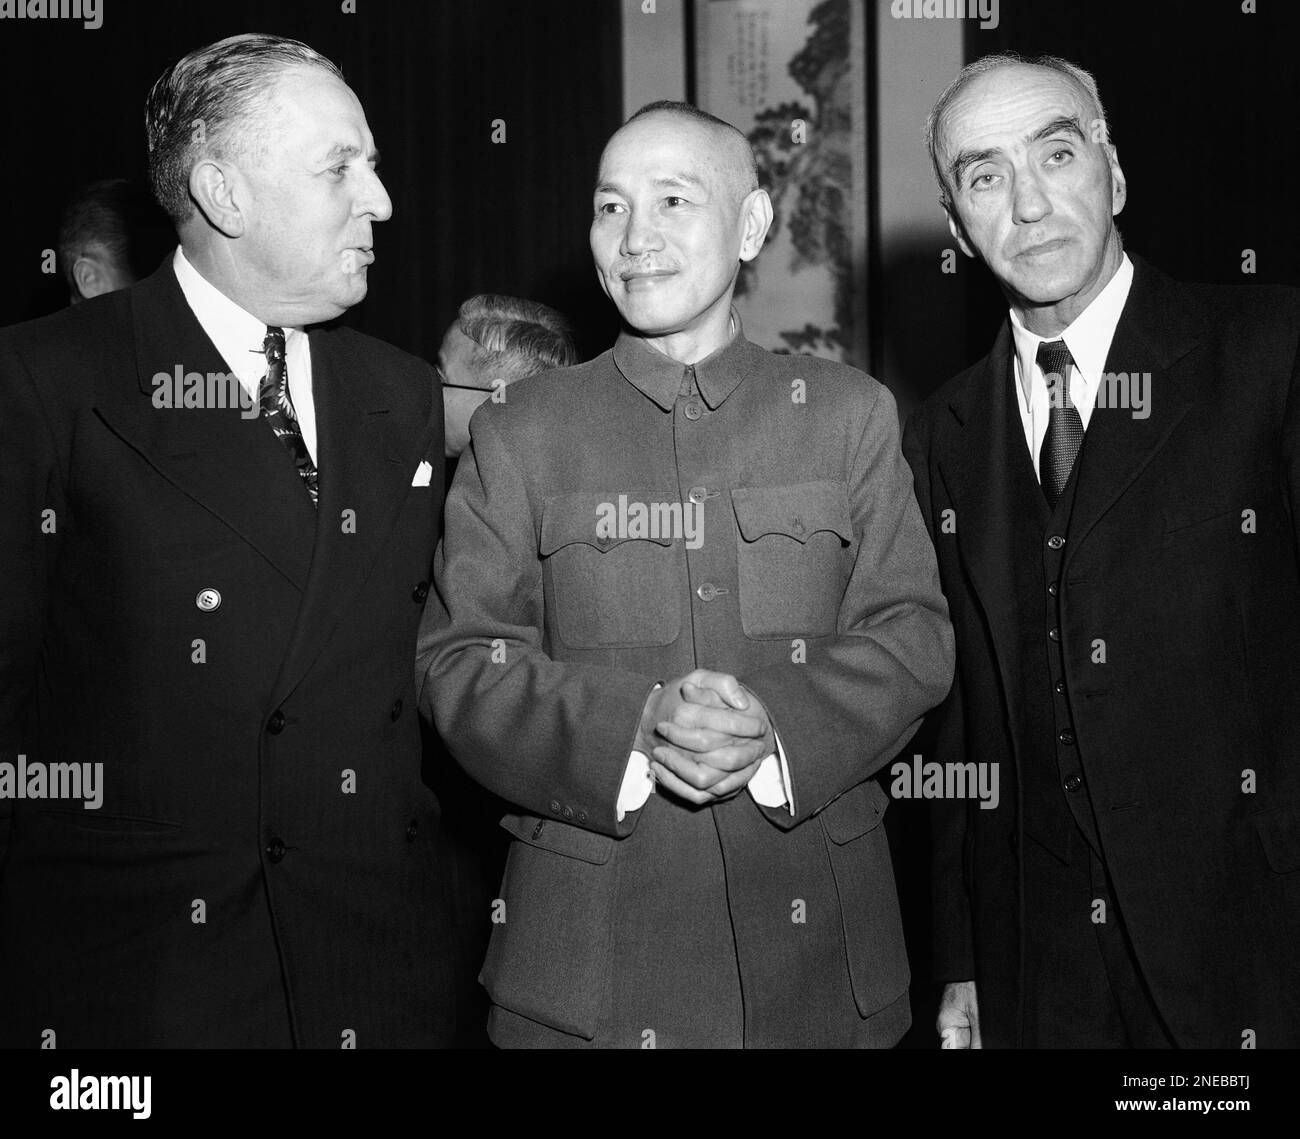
x=112, y=235
x=494, y=341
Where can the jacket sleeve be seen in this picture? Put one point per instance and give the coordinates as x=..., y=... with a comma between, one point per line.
x=848, y=711
x=953, y=948
x=552, y=737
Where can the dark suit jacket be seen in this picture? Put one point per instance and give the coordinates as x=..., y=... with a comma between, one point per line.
x=730, y=924
x=226, y=780
x=1181, y=557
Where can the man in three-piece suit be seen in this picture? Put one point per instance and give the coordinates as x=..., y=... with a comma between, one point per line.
x=684, y=609
x=1112, y=496
x=219, y=519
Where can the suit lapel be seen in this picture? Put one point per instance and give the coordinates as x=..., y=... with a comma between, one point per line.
x=1158, y=327
x=369, y=445
x=977, y=475
x=231, y=465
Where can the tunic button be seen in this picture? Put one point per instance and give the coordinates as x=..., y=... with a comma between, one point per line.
x=1053, y=588
x=708, y=591
x=1066, y=737
x=1060, y=687
x=1055, y=542
x=208, y=600
x=420, y=592
x=697, y=494
x=276, y=850
x=275, y=725
x=396, y=710
x=693, y=411
x=1073, y=783
x=1054, y=634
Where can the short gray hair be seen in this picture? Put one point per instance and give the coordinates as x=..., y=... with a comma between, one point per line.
x=983, y=66
x=515, y=338
x=202, y=106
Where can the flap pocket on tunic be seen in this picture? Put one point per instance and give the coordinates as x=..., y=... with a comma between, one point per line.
x=864, y=879
x=857, y=811
x=560, y=837
x=550, y=958
x=611, y=572
x=794, y=557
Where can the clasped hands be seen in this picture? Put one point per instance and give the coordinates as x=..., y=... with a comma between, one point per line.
x=705, y=735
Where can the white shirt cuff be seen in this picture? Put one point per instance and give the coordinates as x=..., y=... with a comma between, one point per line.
x=770, y=785
x=638, y=783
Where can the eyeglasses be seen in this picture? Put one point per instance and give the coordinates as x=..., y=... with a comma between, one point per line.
x=446, y=383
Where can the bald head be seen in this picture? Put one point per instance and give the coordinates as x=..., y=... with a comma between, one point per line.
x=677, y=210
x=731, y=158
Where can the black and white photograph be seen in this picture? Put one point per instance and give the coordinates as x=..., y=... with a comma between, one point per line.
x=699, y=526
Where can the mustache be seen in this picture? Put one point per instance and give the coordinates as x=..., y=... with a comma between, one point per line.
x=625, y=269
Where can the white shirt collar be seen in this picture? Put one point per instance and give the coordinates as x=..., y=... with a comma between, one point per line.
x=235, y=332
x=1088, y=336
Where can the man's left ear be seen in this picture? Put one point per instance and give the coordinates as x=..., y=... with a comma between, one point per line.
x=1118, y=184
x=756, y=213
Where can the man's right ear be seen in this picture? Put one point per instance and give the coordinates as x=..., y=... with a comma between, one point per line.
x=955, y=228
x=213, y=190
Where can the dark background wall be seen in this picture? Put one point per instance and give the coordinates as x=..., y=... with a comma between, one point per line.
x=468, y=215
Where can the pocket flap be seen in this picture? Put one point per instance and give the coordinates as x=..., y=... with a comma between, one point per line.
x=856, y=812
x=605, y=521
x=560, y=838
x=1279, y=831
x=796, y=511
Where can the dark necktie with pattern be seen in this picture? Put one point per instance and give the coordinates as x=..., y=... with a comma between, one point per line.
x=277, y=410
x=1064, y=425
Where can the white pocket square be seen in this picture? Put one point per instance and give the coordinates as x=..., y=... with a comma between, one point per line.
x=423, y=473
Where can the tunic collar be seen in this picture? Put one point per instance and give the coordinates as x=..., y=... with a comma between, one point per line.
x=660, y=377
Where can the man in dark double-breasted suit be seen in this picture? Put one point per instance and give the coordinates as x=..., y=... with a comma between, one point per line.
x=219, y=518
x=1112, y=496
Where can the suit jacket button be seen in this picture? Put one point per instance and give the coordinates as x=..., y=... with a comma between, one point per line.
x=1060, y=687
x=555, y=806
x=1052, y=588
x=698, y=494
x=568, y=812
x=275, y=725
x=708, y=591
x=412, y=830
x=420, y=592
x=693, y=411
x=1073, y=783
x=1055, y=542
x=208, y=600
x=1066, y=737
x=276, y=850
x=396, y=710
x=1054, y=634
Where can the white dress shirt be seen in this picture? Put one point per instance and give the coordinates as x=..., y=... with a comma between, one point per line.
x=1088, y=338
x=238, y=335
